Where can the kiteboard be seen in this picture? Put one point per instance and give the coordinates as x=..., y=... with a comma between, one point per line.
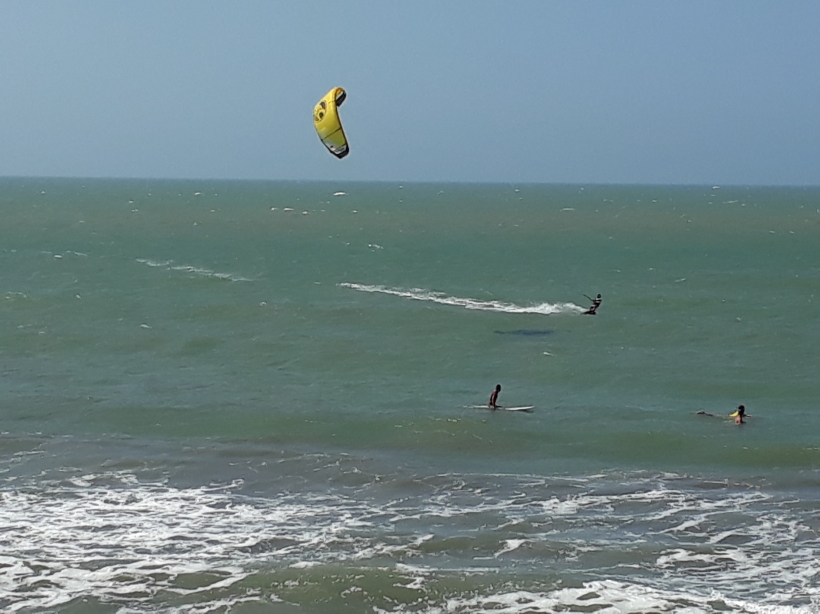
x=527, y=408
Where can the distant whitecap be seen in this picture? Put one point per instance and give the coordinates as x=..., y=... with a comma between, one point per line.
x=185, y=268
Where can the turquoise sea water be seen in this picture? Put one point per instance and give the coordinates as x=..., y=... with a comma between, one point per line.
x=256, y=397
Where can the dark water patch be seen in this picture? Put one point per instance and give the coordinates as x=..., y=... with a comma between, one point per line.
x=526, y=332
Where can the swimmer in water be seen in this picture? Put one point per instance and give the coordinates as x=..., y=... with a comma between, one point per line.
x=741, y=412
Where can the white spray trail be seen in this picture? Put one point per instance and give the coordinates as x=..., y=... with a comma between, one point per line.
x=420, y=294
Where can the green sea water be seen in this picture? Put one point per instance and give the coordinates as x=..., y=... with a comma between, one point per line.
x=291, y=369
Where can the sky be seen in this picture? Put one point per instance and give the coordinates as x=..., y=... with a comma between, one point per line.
x=577, y=91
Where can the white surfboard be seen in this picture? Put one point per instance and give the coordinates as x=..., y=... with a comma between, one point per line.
x=527, y=408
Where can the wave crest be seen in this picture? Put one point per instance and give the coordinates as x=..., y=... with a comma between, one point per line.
x=169, y=264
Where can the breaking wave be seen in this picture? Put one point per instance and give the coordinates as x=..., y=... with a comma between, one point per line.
x=460, y=543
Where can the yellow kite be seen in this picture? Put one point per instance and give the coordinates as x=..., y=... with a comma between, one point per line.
x=328, y=125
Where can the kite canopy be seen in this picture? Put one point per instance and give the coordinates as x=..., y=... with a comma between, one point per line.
x=328, y=125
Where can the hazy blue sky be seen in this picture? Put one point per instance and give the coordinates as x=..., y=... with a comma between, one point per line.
x=723, y=92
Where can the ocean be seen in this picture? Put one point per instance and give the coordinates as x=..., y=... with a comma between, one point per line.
x=252, y=397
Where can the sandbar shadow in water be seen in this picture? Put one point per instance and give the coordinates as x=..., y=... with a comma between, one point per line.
x=526, y=332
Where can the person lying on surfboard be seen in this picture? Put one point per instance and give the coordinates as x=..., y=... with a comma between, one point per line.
x=596, y=302
x=493, y=404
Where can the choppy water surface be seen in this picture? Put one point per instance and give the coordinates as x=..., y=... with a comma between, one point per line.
x=254, y=397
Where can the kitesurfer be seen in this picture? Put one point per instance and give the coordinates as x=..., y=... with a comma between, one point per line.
x=493, y=404
x=596, y=302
